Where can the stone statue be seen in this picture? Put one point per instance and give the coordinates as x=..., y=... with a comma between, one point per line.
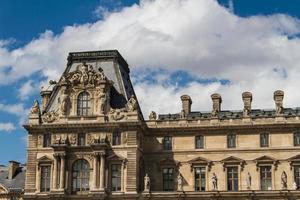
x=283, y=181
x=102, y=101
x=278, y=98
x=65, y=102
x=146, y=183
x=182, y=114
x=248, y=181
x=295, y=187
x=215, y=111
x=35, y=109
x=214, y=180
x=50, y=116
x=179, y=183
x=131, y=104
x=152, y=115
x=73, y=139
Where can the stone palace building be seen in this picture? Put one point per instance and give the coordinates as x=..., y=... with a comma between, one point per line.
x=88, y=139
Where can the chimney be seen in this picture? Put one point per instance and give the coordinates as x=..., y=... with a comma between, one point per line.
x=217, y=100
x=13, y=168
x=247, y=99
x=278, y=98
x=186, y=104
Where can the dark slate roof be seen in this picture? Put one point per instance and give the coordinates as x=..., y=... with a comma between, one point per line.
x=16, y=184
x=232, y=114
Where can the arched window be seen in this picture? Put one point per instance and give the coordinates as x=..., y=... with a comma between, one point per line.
x=83, y=104
x=80, y=176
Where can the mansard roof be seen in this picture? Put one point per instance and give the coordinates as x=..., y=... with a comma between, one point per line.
x=14, y=185
x=232, y=114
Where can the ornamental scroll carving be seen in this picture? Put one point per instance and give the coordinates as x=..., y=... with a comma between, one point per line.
x=50, y=117
x=85, y=75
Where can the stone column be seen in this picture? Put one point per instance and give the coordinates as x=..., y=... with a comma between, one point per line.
x=39, y=178
x=95, y=164
x=54, y=178
x=102, y=171
x=62, y=172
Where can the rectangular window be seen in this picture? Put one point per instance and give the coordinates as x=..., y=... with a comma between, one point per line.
x=266, y=177
x=81, y=139
x=200, y=179
x=264, y=140
x=297, y=139
x=231, y=140
x=199, y=142
x=116, y=138
x=297, y=175
x=116, y=177
x=45, y=178
x=168, y=179
x=167, y=143
x=47, y=140
x=232, y=179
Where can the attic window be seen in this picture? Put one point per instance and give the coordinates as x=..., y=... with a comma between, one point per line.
x=83, y=104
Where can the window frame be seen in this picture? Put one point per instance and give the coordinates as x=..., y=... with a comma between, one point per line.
x=46, y=187
x=168, y=179
x=263, y=180
x=199, y=145
x=200, y=178
x=47, y=140
x=118, y=178
x=116, y=138
x=231, y=136
x=81, y=139
x=264, y=137
x=232, y=182
x=167, y=143
x=84, y=176
x=296, y=174
x=297, y=133
x=84, y=106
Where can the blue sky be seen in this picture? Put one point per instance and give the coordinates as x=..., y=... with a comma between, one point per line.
x=26, y=26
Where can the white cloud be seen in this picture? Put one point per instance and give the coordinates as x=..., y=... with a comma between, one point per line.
x=7, y=127
x=17, y=110
x=27, y=89
x=200, y=37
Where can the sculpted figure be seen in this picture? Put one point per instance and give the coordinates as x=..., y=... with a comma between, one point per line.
x=283, y=180
x=65, y=102
x=179, y=183
x=279, y=108
x=117, y=114
x=102, y=101
x=50, y=116
x=146, y=183
x=131, y=104
x=214, y=180
x=73, y=139
x=295, y=187
x=248, y=181
x=182, y=114
x=35, y=108
x=215, y=111
x=152, y=115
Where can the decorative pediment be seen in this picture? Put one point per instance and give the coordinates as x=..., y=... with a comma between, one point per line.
x=199, y=161
x=294, y=160
x=266, y=160
x=168, y=162
x=232, y=160
x=115, y=157
x=44, y=160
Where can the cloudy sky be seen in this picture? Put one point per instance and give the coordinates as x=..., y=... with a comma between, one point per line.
x=174, y=47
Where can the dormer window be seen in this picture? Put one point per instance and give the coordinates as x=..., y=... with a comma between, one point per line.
x=83, y=104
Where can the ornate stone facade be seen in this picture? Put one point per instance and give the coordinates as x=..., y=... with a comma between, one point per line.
x=89, y=140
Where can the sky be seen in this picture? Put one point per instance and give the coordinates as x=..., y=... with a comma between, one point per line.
x=173, y=47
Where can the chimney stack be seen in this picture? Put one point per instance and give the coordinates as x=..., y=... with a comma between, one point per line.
x=278, y=98
x=247, y=99
x=186, y=104
x=13, y=168
x=217, y=100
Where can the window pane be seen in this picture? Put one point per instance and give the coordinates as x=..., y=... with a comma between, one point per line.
x=199, y=142
x=167, y=143
x=83, y=104
x=297, y=175
x=200, y=179
x=232, y=178
x=45, y=178
x=264, y=140
x=47, y=140
x=116, y=177
x=168, y=181
x=231, y=140
x=297, y=139
x=266, y=177
x=80, y=176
